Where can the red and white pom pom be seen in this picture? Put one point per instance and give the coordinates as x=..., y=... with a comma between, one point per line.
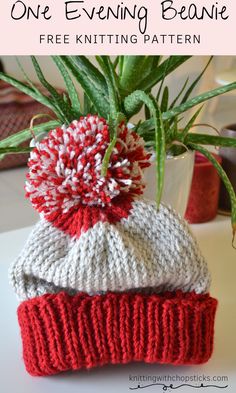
x=65, y=167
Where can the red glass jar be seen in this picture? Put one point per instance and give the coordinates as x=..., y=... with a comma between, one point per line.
x=204, y=194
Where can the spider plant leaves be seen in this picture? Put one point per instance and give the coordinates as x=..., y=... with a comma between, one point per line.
x=164, y=100
x=71, y=90
x=187, y=128
x=107, y=156
x=95, y=76
x=62, y=107
x=115, y=62
x=14, y=150
x=119, y=118
x=133, y=100
x=65, y=99
x=132, y=105
x=146, y=130
x=150, y=63
x=97, y=96
x=195, y=82
x=157, y=74
x=169, y=114
x=120, y=66
x=163, y=79
x=132, y=67
x=28, y=80
x=155, y=61
x=24, y=135
x=205, y=139
x=179, y=94
x=198, y=100
x=34, y=93
x=225, y=180
x=112, y=84
x=88, y=106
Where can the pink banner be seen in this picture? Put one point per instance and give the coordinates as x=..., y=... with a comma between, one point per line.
x=117, y=27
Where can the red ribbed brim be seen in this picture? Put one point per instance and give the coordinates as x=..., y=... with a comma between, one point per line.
x=62, y=332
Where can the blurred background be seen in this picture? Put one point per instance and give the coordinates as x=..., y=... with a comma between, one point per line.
x=16, y=211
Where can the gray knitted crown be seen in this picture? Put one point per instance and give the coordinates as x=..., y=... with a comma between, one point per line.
x=150, y=249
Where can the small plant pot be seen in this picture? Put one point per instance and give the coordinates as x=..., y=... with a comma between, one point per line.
x=204, y=194
x=177, y=182
x=228, y=155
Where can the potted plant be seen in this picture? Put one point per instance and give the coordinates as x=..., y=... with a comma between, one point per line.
x=113, y=90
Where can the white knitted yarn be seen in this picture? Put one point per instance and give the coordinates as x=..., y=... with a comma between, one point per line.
x=149, y=249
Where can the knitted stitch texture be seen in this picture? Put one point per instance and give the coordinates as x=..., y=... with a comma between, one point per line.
x=105, y=276
x=61, y=333
x=148, y=249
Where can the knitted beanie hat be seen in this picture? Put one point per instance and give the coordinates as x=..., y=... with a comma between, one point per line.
x=105, y=276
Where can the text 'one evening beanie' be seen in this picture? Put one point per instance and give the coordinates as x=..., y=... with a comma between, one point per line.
x=105, y=276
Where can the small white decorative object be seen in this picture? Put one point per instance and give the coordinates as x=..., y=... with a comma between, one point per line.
x=178, y=179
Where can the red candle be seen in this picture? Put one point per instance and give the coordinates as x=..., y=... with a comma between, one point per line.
x=204, y=193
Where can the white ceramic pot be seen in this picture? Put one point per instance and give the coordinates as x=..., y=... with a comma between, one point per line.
x=177, y=183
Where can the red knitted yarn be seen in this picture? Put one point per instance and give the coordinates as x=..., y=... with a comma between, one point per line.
x=75, y=222
x=62, y=332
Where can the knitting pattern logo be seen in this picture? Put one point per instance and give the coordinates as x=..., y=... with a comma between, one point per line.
x=184, y=382
x=171, y=386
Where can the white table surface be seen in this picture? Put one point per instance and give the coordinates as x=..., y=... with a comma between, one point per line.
x=215, y=242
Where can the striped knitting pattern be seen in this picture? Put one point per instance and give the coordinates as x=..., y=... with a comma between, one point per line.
x=62, y=333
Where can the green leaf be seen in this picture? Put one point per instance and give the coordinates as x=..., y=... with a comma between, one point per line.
x=149, y=64
x=183, y=134
x=165, y=99
x=179, y=94
x=163, y=79
x=133, y=106
x=37, y=95
x=97, y=96
x=225, y=180
x=28, y=80
x=195, y=82
x=58, y=100
x=24, y=135
x=157, y=74
x=198, y=100
x=131, y=101
x=205, y=139
x=106, y=159
x=156, y=61
x=149, y=124
x=14, y=150
x=66, y=99
x=88, y=106
x=72, y=93
x=111, y=80
x=116, y=62
x=132, y=66
x=92, y=72
x=147, y=112
x=120, y=66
